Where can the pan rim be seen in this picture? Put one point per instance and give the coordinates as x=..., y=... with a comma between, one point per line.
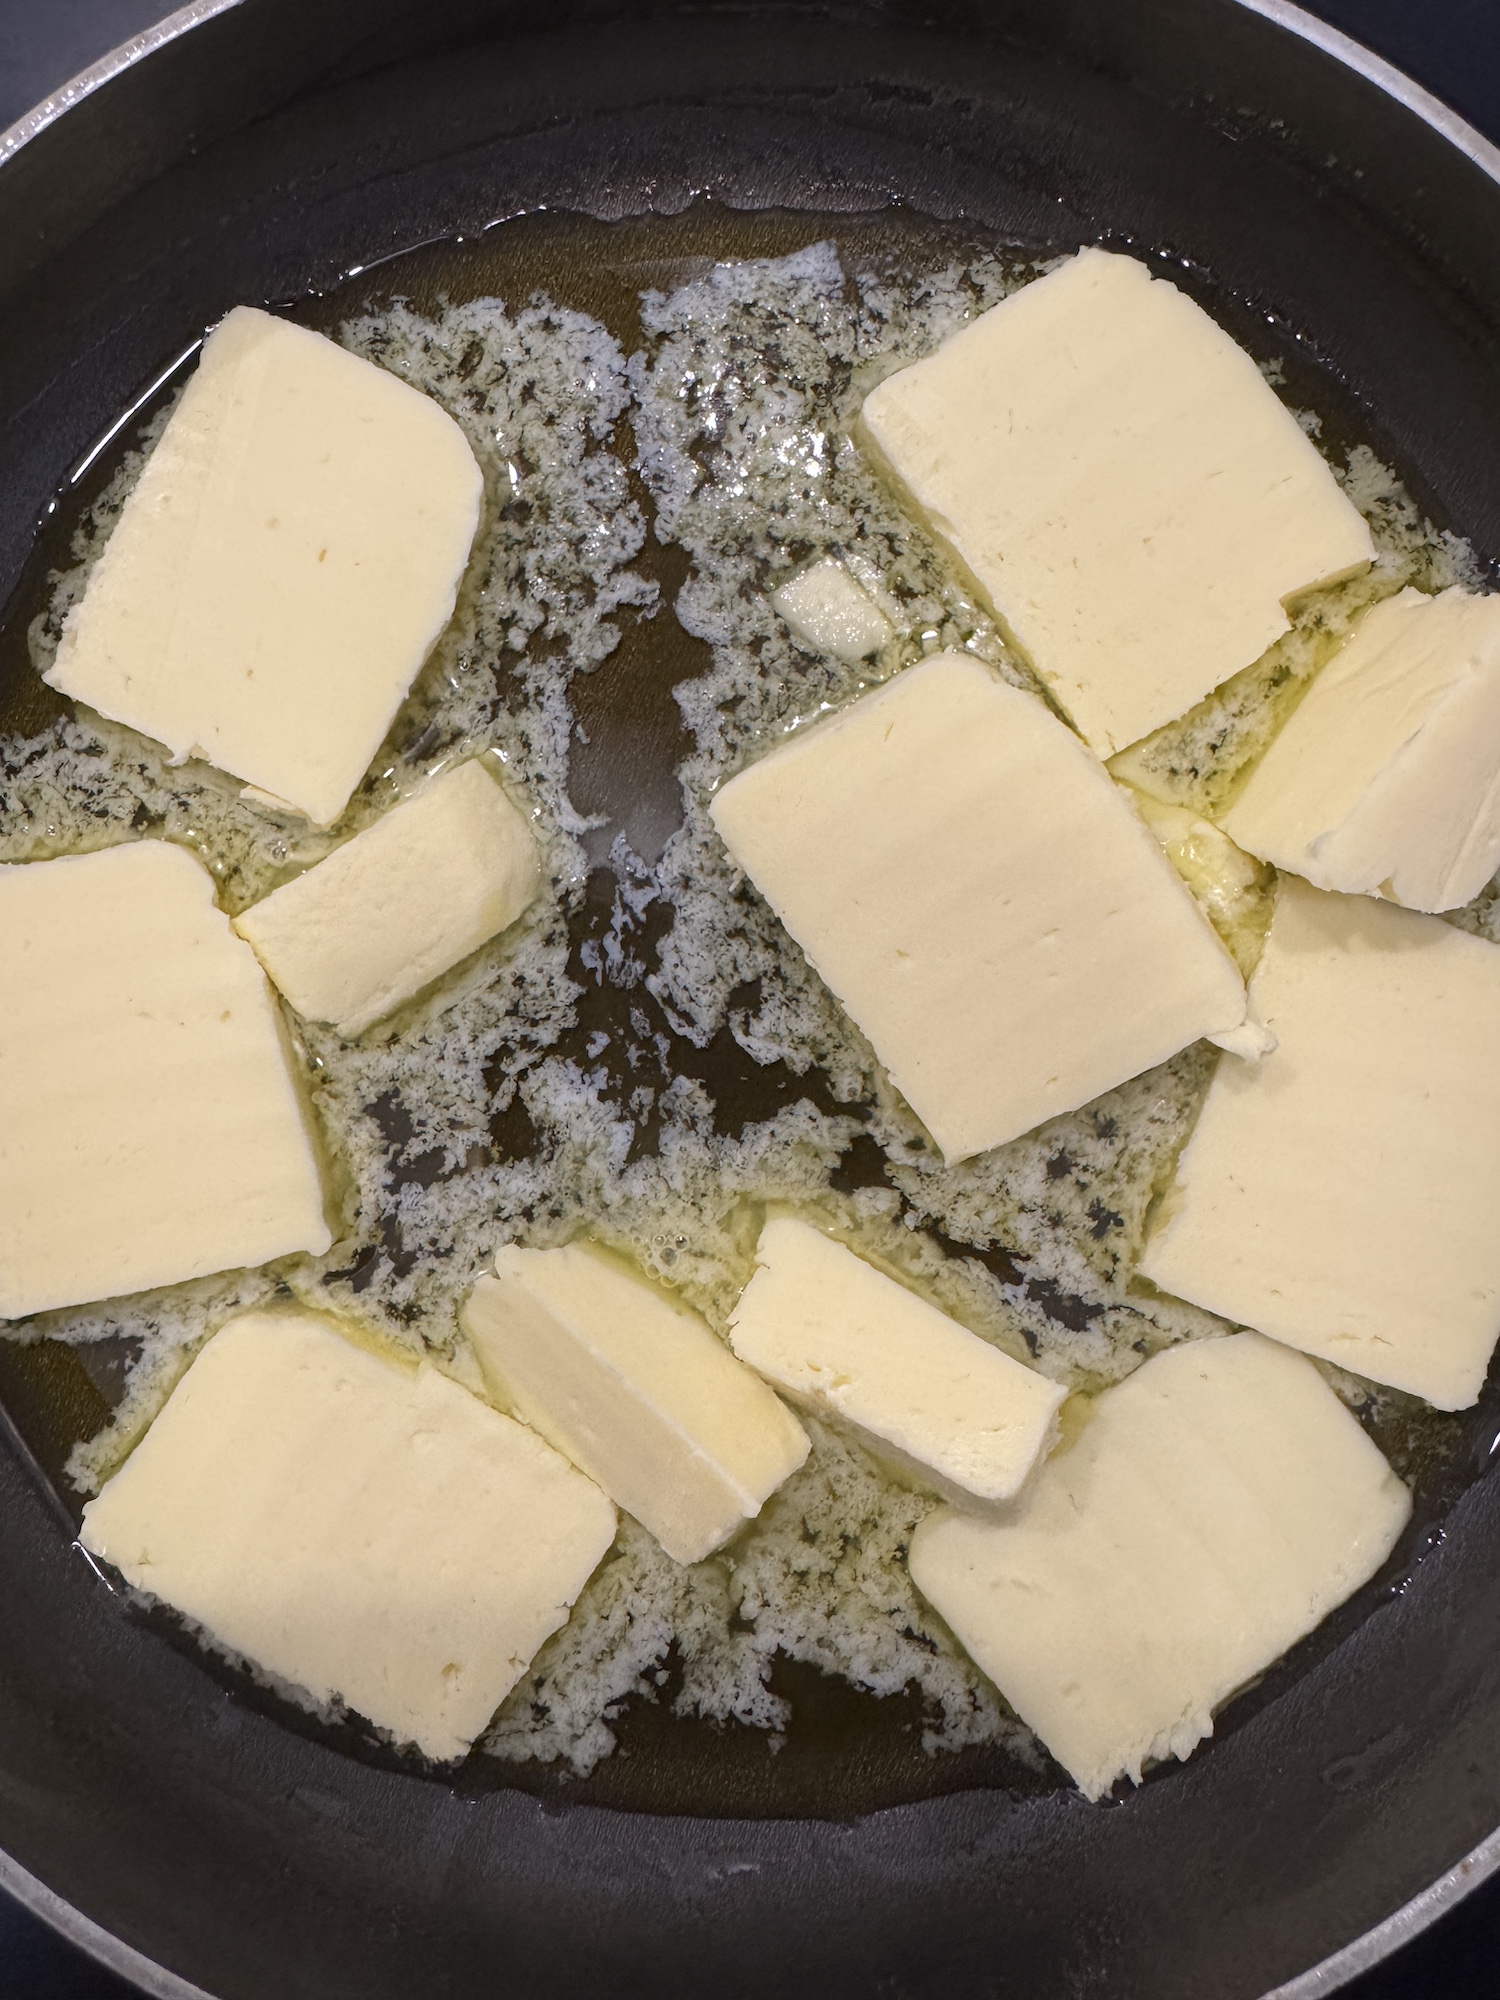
x=1382, y=1940
x=124, y=55
x=101, y=1945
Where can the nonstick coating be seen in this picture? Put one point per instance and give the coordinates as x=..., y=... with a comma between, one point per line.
x=256, y=1858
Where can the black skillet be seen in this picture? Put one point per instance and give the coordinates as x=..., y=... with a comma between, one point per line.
x=261, y=156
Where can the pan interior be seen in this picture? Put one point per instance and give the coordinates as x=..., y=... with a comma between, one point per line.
x=836, y=1748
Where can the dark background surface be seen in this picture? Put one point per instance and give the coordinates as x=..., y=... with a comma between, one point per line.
x=1451, y=46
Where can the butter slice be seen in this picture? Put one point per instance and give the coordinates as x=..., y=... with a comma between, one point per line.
x=1122, y=484
x=400, y=904
x=831, y=612
x=1214, y=1508
x=364, y=1530
x=1386, y=779
x=832, y=1331
x=1341, y=1195
x=150, y=1127
x=980, y=896
x=636, y=1390
x=289, y=554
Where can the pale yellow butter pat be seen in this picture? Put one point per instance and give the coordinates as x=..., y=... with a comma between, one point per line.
x=1386, y=779
x=831, y=612
x=291, y=551
x=979, y=894
x=1340, y=1195
x=636, y=1390
x=1124, y=486
x=368, y=1531
x=400, y=904
x=832, y=1331
x=1214, y=1507
x=151, y=1129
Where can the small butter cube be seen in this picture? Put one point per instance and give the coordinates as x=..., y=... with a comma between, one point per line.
x=1340, y=1195
x=366, y=1530
x=150, y=1126
x=1214, y=1507
x=831, y=613
x=1386, y=779
x=1122, y=484
x=289, y=554
x=400, y=904
x=980, y=896
x=636, y=1390
x=832, y=1331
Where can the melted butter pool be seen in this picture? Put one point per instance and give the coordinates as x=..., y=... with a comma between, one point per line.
x=662, y=411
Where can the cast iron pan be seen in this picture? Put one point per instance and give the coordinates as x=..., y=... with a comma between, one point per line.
x=260, y=157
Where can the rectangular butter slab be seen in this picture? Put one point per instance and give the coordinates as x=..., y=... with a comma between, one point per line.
x=1124, y=486
x=1214, y=1507
x=1341, y=1194
x=832, y=1331
x=150, y=1126
x=400, y=904
x=636, y=1390
x=365, y=1530
x=1385, y=780
x=981, y=897
x=289, y=554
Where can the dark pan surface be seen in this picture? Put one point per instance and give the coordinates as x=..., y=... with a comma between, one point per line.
x=221, y=1833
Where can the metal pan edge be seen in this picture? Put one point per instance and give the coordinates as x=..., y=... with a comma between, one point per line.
x=1440, y=1896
